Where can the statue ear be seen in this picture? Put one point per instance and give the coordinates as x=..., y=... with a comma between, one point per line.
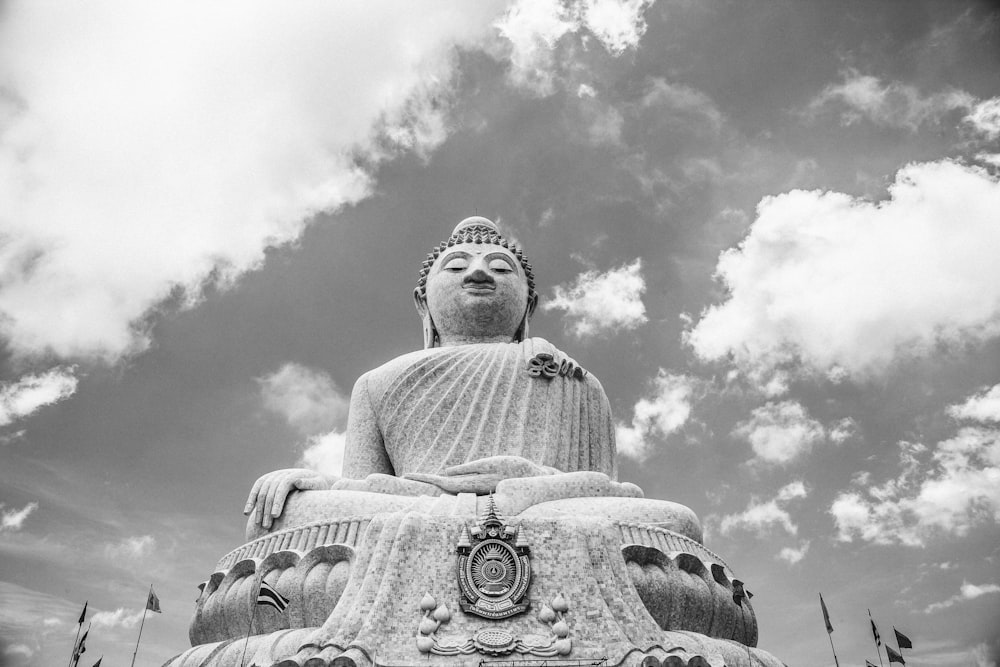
x=431, y=337
x=532, y=304
x=420, y=301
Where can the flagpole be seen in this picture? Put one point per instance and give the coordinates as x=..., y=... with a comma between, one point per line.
x=76, y=656
x=878, y=651
x=144, y=609
x=73, y=652
x=79, y=626
x=253, y=615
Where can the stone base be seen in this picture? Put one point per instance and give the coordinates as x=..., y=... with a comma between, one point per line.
x=384, y=590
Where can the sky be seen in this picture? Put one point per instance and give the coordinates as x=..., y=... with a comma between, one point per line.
x=769, y=227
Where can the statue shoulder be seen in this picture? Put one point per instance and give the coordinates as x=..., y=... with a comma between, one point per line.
x=377, y=380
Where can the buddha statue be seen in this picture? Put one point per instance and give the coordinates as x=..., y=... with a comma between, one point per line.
x=478, y=513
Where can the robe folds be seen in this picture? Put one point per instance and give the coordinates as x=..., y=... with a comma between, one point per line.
x=431, y=409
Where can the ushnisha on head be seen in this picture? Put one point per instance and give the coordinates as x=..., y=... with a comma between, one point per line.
x=476, y=287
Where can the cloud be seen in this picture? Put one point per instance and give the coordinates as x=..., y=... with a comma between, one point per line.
x=131, y=548
x=661, y=414
x=966, y=592
x=983, y=655
x=946, y=493
x=827, y=281
x=22, y=650
x=780, y=432
x=31, y=392
x=985, y=118
x=602, y=302
x=308, y=399
x=533, y=28
x=794, y=555
x=13, y=520
x=325, y=453
x=762, y=517
x=893, y=104
x=695, y=107
x=149, y=151
x=618, y=24
x=119, y=618
x=982, y=407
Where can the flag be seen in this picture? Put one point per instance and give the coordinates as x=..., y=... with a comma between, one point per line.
x=893, y=656
x=98, y=663
x=902, y=640
x=878, y=638
x=80, y=647
x=83, y=614
x=267, y=595
x=153, y=602
x=868, y=663
x=826, y=614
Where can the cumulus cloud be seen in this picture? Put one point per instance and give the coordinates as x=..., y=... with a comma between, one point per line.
x=762, y=517
x=147, y=150
x=13, y=520
x=827, y=281
x=893, y=104
x=966, y=592
x=602, y=302
x=31, y=392
x=984, y=117
x=119, y=618
x=780, y=432
x=312, y=403
x=664, y=412
x=325, y=453
x=533, y=28
x=307, y=398
x=982, y=407
x=942, y=492
x=131, y=548
x=793, y=555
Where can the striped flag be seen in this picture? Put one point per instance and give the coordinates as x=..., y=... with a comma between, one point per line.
x=267, y=595
x=893, y=656
x=826, y=615
x=902, y=640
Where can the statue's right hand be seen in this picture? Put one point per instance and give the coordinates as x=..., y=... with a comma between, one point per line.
x=267, y=497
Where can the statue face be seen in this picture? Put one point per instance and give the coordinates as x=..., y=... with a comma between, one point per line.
x=477, y=290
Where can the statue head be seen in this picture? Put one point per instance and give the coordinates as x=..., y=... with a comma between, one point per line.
x=476, y=287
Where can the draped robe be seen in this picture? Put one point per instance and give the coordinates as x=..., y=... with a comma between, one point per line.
x=431, y=409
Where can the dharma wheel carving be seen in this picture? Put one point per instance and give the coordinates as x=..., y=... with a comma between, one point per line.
x=494, y=569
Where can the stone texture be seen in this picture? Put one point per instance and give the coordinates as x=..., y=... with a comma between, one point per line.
x=632, y=591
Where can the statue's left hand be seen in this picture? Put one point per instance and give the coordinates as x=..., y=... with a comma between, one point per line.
x=482, y=475
x=267, y=497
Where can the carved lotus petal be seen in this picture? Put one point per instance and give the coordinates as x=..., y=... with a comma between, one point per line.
x=425, y=644
x=428, y=625
x=442, y=614
x=427, y=602
x=546, y=615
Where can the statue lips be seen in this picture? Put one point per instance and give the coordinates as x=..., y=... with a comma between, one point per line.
x=479, y=286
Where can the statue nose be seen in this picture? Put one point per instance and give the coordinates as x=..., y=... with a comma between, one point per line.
x=479, y=276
